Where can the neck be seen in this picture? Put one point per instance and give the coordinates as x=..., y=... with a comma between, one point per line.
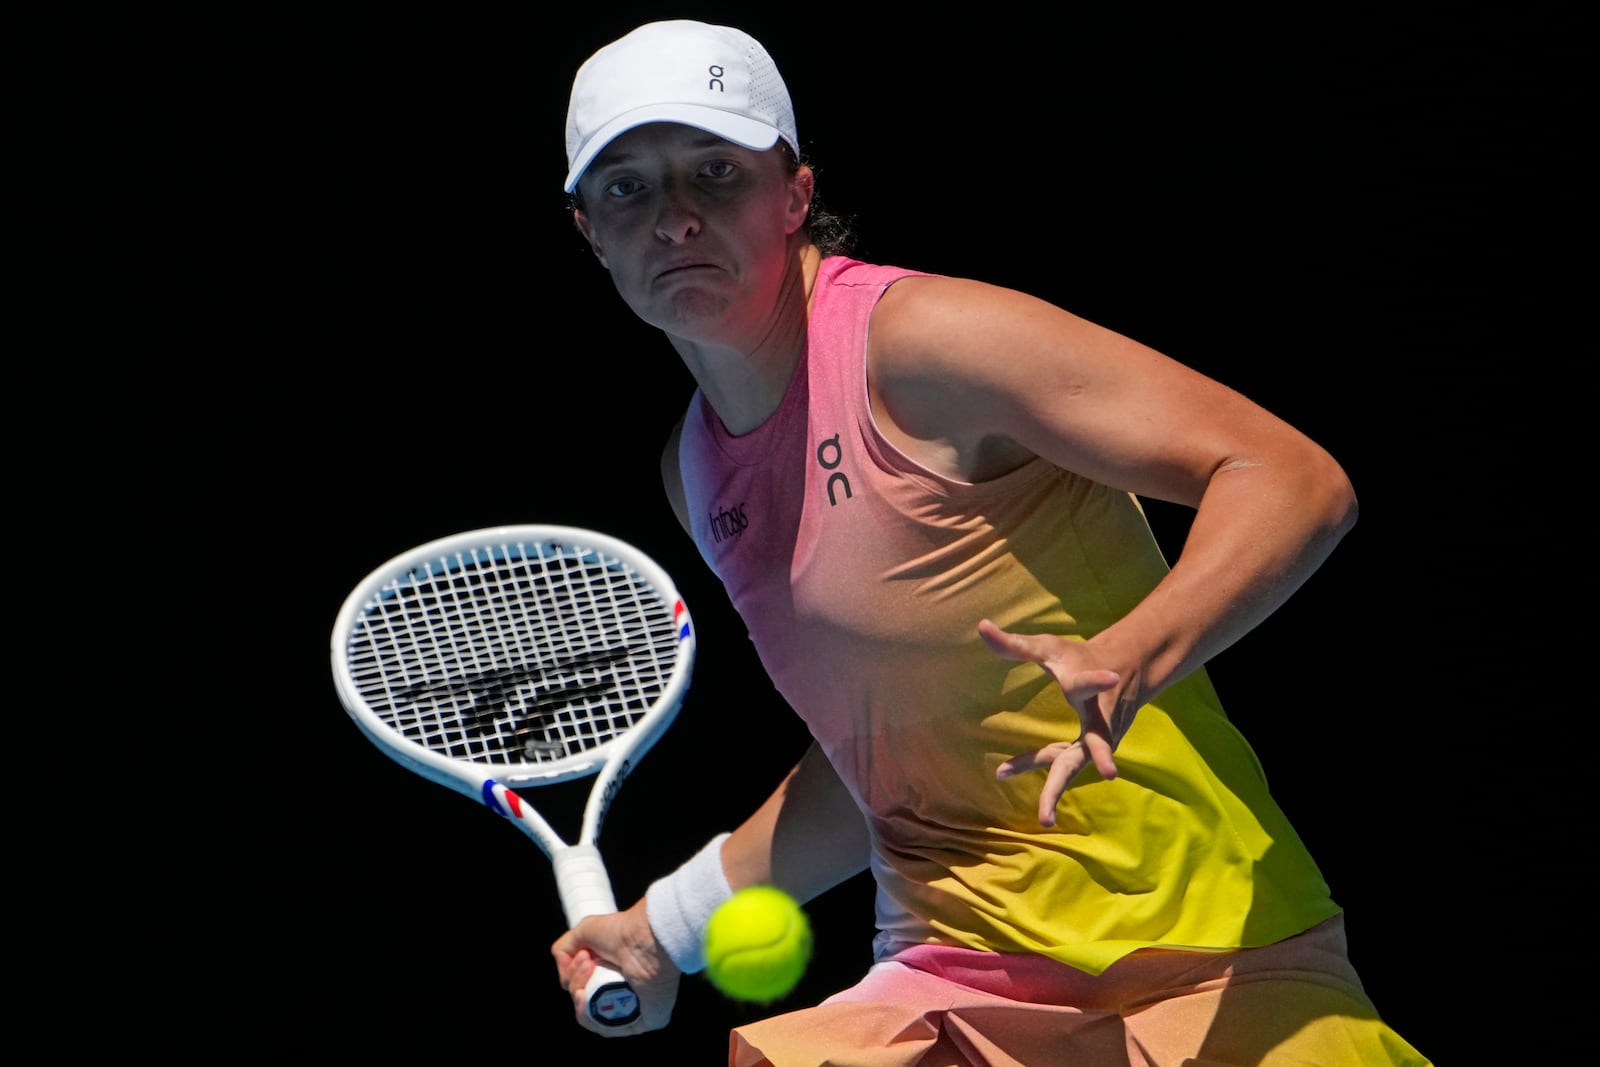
x=745, y=382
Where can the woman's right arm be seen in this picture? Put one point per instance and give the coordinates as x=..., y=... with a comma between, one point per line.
x=806, y=838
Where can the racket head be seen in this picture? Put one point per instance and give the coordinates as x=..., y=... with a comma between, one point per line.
x=522, y=655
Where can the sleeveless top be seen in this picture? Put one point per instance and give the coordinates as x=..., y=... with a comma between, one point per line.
x=861, y=577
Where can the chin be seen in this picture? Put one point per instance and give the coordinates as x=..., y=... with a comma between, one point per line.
x=691, y=307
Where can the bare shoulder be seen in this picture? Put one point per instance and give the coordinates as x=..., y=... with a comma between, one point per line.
x=916, y=311
x=973, y=334
x=980, y=352
x=972, y=376
x=939, y=372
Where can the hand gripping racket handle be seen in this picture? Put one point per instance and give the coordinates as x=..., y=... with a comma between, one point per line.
x=585, y=890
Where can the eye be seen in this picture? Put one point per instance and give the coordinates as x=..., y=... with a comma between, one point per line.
x=719, y=168
x=622, y=187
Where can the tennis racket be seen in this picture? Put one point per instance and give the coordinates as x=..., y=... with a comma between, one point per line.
x=498, y=660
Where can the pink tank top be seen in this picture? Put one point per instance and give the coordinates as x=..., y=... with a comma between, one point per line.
x=861, y=577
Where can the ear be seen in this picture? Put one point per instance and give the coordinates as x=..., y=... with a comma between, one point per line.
x=585, y=227
x=802, y=187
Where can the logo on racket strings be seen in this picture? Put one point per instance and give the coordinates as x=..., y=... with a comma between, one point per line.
x=530, y=695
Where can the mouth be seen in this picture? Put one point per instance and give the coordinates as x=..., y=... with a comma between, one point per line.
x=679, y=270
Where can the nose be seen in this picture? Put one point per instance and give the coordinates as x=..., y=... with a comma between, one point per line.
x=677, y=219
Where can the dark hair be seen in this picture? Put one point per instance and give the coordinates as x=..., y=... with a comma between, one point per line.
x=833, y=234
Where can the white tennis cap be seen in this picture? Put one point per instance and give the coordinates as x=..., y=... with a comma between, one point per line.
x=714, y=78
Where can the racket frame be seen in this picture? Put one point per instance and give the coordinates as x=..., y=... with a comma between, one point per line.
x=581, y=878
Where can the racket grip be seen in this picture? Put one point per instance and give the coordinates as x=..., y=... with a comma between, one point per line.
x=582, y=881
x=585, y=890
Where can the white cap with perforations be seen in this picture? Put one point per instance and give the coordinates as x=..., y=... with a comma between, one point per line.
x=714, y=78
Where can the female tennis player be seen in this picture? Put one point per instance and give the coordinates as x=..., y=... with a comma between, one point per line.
x=922, y=495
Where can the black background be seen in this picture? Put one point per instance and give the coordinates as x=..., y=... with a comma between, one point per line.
x=316, y=269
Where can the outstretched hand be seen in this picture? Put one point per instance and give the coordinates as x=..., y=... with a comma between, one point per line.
x=1070, y=663
x=625, y=942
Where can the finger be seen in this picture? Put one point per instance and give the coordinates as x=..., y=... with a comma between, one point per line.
x=1037, y=760
x=581, y=975
x=1062, y=772
x=1086, y=685
x=1096, y=738
x=573, y=968
x=583, y=967
x=1104, y=756
x=567, y=944
x=1010, y=645
x=1028, y=761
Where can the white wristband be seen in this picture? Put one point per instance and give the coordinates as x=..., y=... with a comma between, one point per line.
x=680, y=905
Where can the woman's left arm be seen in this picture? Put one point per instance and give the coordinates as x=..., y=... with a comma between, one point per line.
x=975, y=379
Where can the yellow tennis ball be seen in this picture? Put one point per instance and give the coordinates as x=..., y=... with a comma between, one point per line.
x=758, y=944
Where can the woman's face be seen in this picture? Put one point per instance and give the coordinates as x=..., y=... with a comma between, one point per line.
x=695, y=230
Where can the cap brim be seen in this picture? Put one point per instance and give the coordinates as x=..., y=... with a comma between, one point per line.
x=747, y=133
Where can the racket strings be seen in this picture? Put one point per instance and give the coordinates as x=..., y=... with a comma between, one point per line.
x=518, y=653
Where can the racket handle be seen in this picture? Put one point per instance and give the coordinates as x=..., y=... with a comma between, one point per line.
x=585, y=890
x=611, y=1000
